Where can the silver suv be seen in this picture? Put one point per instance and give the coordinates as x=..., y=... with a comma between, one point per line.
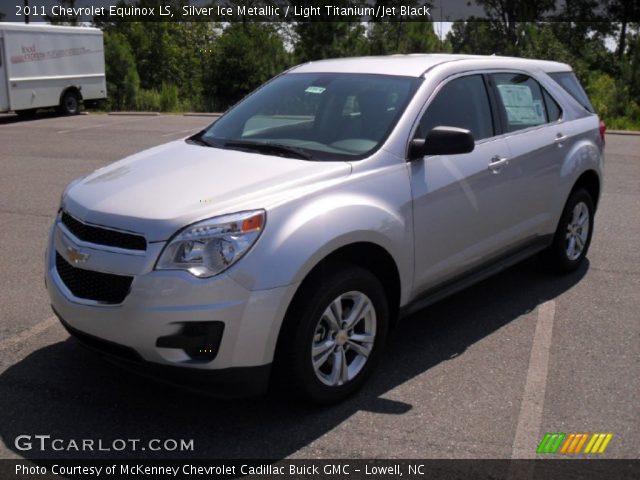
x=289, y=235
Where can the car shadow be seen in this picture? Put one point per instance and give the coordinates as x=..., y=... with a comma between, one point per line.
x=68, y=392
x=9, y=119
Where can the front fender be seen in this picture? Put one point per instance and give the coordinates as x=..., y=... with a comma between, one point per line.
x=298, y=236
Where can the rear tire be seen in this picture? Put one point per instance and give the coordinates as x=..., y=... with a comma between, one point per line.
x=573, y=236
x=334, y=334
x=70, y=103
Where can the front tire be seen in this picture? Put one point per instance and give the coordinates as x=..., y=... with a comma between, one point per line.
x=335, y=332
x=573, y=235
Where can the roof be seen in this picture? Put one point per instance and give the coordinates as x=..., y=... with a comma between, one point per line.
x=45, y=27
x=415, y=65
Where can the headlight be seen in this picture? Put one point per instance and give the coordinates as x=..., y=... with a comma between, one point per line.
x=207, y=248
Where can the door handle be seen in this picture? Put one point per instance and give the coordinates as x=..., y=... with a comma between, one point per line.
x=560, y=138
x=497, y=162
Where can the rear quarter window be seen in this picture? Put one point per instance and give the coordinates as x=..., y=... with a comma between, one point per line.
x=570, y=83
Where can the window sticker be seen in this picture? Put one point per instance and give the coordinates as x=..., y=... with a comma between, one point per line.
x=316, y=90
x=539, y=108
x=520, y=106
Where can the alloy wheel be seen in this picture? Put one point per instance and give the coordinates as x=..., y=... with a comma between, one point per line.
x=577, y=231
x=343, y=338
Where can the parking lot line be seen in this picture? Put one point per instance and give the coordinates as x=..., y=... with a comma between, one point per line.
x=82, y=128
x=88, y=127
x=23, y=336
x=531, y=408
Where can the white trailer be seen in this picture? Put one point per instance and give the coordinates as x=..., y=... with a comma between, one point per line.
x=50, y=66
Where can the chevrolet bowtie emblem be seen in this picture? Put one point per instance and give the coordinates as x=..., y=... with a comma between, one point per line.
x=76, y=256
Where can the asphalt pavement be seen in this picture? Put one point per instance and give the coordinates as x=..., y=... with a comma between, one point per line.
x=483, y=374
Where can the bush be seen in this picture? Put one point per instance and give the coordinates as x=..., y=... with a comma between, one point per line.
x=601, y=89
x=168, y=98
x=148, y=101
x=164, y=100
x=612, y=101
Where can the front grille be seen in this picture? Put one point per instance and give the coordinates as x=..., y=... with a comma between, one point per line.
x=90, y=285
x=103, y=236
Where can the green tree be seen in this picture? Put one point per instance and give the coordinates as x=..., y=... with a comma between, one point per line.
x=245, y=56
x=169, y=55
x=122, y=77
x=621, y=14
x=328, y=35
x=584, y=37
x=505, y=15
x=634, y=64
x=475, y=37
x=320, y=39
x=402, y=33
x=499, y=31
x=153, y=47
x=539, y=41
x=402, y=37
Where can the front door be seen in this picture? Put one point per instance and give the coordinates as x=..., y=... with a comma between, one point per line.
x=461, y=203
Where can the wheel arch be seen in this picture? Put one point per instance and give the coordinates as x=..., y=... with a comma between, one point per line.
x=368, y=255
x=590, y=181
x=70, y=88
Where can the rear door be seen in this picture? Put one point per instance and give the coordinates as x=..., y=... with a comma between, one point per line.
x=539, y=138
x=4, y=94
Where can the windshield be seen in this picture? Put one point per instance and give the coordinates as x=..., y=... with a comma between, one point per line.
x=315, y=116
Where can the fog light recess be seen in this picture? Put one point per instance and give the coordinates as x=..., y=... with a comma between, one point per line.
x=199, y=340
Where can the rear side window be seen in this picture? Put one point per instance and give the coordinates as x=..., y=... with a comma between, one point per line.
x=570, y=83
x=461, y=103
x=521, y=97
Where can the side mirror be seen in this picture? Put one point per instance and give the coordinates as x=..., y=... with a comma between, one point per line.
x=442, y=141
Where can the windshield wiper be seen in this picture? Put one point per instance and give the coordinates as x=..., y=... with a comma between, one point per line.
x=199, y=139
x=267, y=147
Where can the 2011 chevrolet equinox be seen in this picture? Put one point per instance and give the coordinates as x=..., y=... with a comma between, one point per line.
x=335, y=198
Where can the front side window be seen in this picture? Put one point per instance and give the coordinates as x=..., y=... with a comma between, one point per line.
x=461, y=103
x=523, y=101
x=322, y=116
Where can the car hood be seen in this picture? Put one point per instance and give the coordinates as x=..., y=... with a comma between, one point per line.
x=160, y=190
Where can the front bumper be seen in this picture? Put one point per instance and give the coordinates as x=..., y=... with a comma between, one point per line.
x=159, y=305
x=227, y=382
